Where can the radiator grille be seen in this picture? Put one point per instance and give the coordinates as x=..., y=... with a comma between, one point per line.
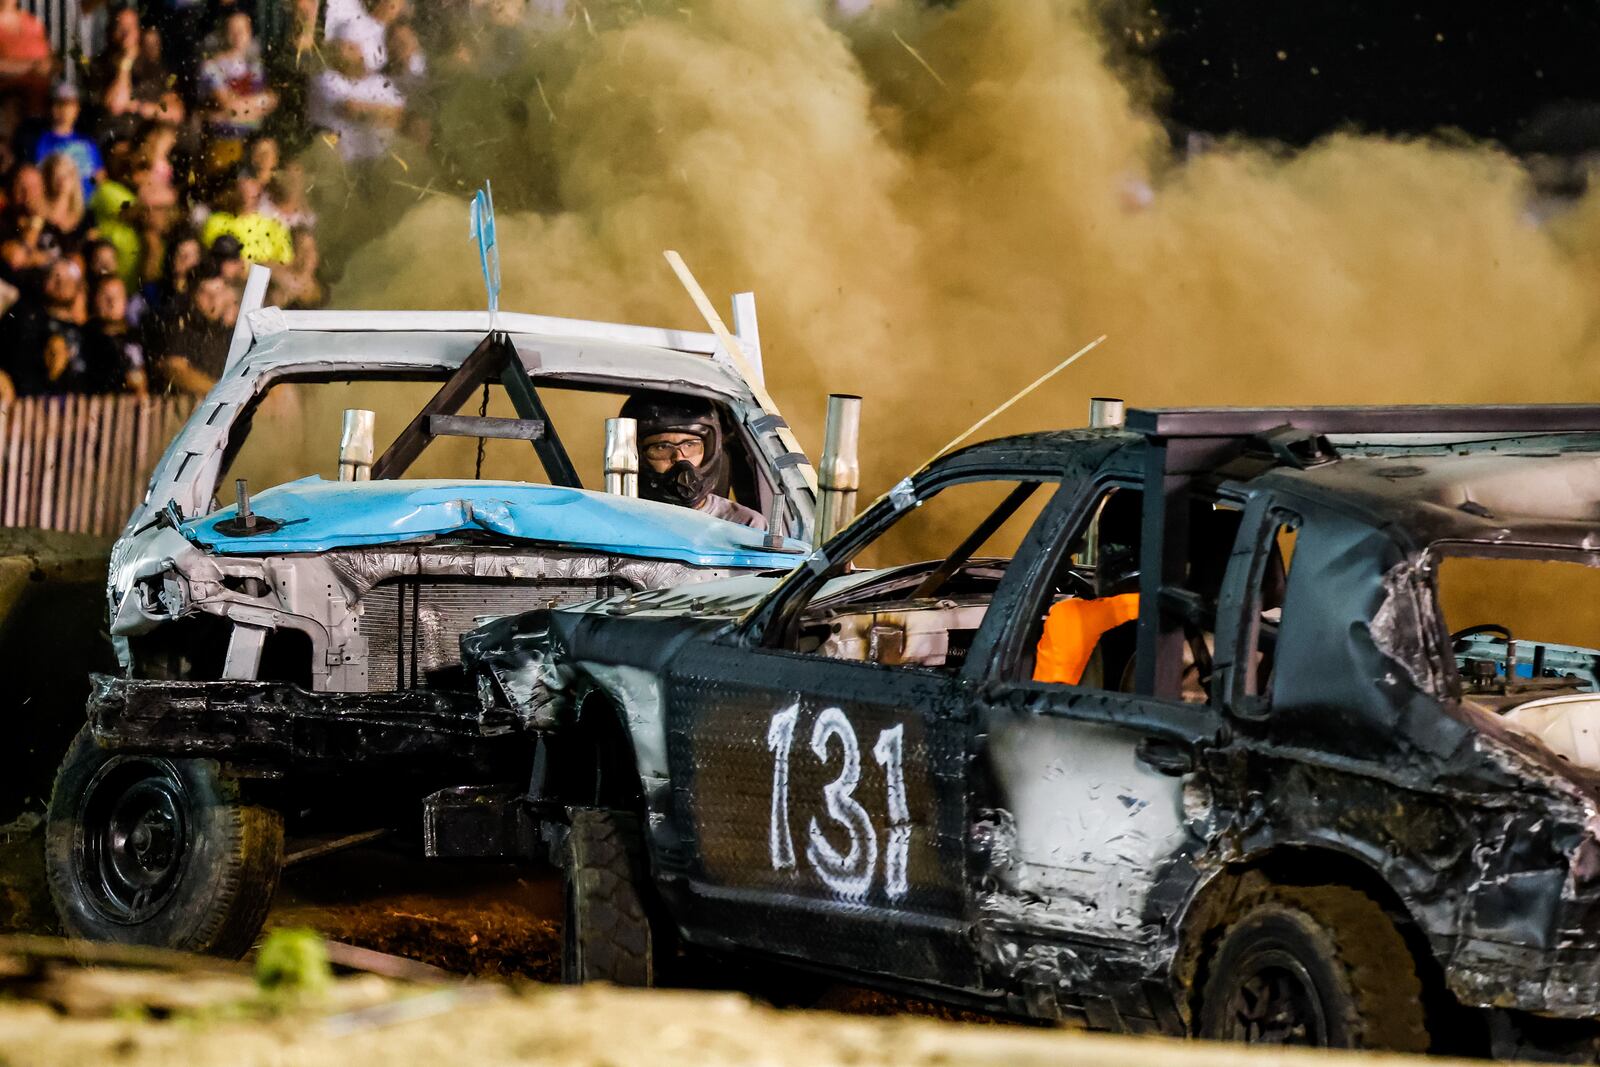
x=412, y=626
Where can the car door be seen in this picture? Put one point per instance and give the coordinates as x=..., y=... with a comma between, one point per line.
x=825, y=795
x=1078, y=789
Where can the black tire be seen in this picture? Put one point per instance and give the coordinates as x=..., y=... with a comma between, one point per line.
x=153, y=851
x=607, y=936
x=1319, y=965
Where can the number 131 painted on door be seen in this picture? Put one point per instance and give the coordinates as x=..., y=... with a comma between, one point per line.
x=849, y=873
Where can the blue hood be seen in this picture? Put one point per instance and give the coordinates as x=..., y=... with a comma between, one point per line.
x=317, y=515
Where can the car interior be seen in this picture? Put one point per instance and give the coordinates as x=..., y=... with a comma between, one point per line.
x=926, y=613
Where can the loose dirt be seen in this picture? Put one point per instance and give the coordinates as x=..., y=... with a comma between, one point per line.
x=595, y=1026
x=485, y=920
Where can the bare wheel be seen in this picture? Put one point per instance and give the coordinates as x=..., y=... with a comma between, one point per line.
x=1319, y=966
x=155, y=851
x=135, y=835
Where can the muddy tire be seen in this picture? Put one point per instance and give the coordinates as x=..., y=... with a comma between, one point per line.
x=1320, y=966
x=153, y=851
x=607, y=936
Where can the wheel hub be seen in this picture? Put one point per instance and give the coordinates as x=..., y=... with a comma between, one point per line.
x=134, y=837
x=1275, y=1002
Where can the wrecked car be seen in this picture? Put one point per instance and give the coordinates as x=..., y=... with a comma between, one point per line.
x=1330, y=777
x=294, y=650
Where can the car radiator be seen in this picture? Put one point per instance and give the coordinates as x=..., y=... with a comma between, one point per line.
x=413, y=626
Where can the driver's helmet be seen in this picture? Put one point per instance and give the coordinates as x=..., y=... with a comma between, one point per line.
x=683, y=483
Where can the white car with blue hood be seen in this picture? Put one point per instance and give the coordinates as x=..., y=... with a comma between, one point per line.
x=293, y=657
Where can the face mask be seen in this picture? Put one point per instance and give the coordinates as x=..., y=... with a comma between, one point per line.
x=682, y=483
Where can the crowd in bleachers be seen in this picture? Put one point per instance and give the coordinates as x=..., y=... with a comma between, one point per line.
x=141, y=175
x=144, y=169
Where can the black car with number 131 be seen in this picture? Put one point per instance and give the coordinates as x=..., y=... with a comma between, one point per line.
x=1270, y=725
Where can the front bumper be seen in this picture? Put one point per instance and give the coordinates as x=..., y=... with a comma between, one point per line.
x=275, y=727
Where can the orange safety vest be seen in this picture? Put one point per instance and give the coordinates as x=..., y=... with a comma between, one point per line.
x=1073, y=629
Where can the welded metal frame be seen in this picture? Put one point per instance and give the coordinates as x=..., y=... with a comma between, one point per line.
x=495, y=359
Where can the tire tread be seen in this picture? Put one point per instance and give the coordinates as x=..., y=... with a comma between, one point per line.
x=1377, y=965
x=606, y=872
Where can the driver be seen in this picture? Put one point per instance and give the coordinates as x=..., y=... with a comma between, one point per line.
x=681, y=458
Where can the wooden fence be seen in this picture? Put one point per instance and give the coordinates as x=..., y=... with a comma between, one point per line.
x=80, y=463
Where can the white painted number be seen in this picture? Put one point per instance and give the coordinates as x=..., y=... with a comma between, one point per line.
x=889, y=752
x=851, y=872
x=780, y=738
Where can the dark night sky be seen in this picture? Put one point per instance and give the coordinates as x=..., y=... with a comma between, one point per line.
x=1394, y=68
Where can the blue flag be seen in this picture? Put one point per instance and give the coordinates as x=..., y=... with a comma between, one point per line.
x=482, y=231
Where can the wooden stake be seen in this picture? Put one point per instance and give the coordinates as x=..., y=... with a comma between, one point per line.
x=50, y=447
x=730, y=344
x=25, y=463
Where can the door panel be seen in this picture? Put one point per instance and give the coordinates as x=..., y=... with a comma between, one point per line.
x=1091, y=826
x=825, y=801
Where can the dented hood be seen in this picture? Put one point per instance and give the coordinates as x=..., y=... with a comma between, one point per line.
x=315, y=515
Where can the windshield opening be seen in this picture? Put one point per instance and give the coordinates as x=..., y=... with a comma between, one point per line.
x=293, y=432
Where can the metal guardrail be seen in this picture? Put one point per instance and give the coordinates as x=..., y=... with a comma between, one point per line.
x=81, y=463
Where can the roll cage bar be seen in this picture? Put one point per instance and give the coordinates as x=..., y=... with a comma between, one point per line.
x=495, y=359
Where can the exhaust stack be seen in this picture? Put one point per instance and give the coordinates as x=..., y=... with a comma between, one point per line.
x=622, y=457
x=840, y=475
x=355, y=445
x=1105, y=412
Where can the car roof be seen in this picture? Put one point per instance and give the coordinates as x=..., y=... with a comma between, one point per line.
x=1534, y=489
x=1522, y=494
x=436, y=352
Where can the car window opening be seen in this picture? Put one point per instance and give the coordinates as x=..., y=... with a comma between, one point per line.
x=310, y=415
x=932, y=576
x=1084, y=629
x=1525, y=641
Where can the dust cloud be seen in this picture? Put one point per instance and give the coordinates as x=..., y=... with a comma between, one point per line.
x=934, y=206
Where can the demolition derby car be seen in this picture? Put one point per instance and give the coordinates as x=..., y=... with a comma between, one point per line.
x=318, y=618
x=1335, y=781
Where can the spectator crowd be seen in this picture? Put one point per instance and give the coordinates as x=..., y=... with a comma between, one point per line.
x=143, y=173
x=140, y=179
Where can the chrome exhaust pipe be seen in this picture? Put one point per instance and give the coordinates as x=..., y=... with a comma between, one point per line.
x=1105, y=413
x=622, y=457
x=839, y=476
x=355, y=445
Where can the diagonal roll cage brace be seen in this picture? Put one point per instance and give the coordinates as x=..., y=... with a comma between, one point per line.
x=494, y=359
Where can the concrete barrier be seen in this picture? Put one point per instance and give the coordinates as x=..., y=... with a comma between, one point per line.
x=52, y=634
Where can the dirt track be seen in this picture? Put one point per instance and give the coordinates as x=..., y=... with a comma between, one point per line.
x=600, y=1027
x=478, y=919
x=492, y=920
x=504, y=921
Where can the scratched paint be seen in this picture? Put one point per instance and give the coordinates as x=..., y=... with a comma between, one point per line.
x=1092, y=823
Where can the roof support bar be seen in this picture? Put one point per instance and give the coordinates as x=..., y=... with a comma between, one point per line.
x=495, y=357
x=1171, y=469
x=525, y=398
x=1163, y=550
